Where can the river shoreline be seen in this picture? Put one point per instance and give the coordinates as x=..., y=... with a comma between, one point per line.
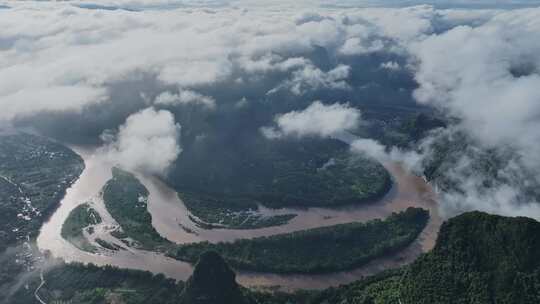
x=170, y=217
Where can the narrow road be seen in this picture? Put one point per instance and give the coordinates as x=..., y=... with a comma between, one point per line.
x=36, y=293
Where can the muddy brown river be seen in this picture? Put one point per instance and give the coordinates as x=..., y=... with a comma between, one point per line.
x=169, y=215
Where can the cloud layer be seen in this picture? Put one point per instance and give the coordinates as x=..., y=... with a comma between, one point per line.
x=147, y=142
x=316, y=120
x=100, y=63
x=492, y=81
x=58, y=56
x=184, y=97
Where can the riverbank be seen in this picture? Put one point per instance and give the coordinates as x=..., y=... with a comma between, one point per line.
x=171, y=218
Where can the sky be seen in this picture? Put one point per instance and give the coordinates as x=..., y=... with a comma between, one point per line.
x=170, y=4
x=125, y=68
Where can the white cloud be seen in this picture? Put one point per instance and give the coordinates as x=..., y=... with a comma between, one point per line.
x=316, y=120
x=470, y=176
x=147, y=142
x=355, y=46
x=370, y=148
x=481, y=66
x=49, y=98
x=49, y=45
x=185, y=97
x=243, y=102
x=312, y=78
x=271, y=62
x=390, y=65
x=411, y=160
x=473, y=194
x=57, y=44
x=491, y=81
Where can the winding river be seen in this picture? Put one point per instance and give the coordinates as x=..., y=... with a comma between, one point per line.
x=171, y=219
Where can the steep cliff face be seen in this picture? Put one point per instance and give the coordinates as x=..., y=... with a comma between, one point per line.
x=479, y=258
x=213, y=282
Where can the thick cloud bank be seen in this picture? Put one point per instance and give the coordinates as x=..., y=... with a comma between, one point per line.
x=146, y=142
x=492, y=81
x=60, y=57
x=490, y=85
x=223, y=67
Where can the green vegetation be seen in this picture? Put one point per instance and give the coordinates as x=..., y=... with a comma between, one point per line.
x=126, y=200
x=479, y=258
x=232, y=165
x=213, y=212
x=458, y=163
x=76, y=283
x=382, y=288
x=12, y=269
x=83, y=216
x=288, y=173
x=317, y=250
x=398, y=126
x=223, y=189
x=34, y=175
x=406, y=131
x=108, y=245
x=213, y=282
x=11, y=200
x=418, y=126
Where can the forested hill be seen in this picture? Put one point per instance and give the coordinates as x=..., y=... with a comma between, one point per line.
x=479, y=258
x=213, y=282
